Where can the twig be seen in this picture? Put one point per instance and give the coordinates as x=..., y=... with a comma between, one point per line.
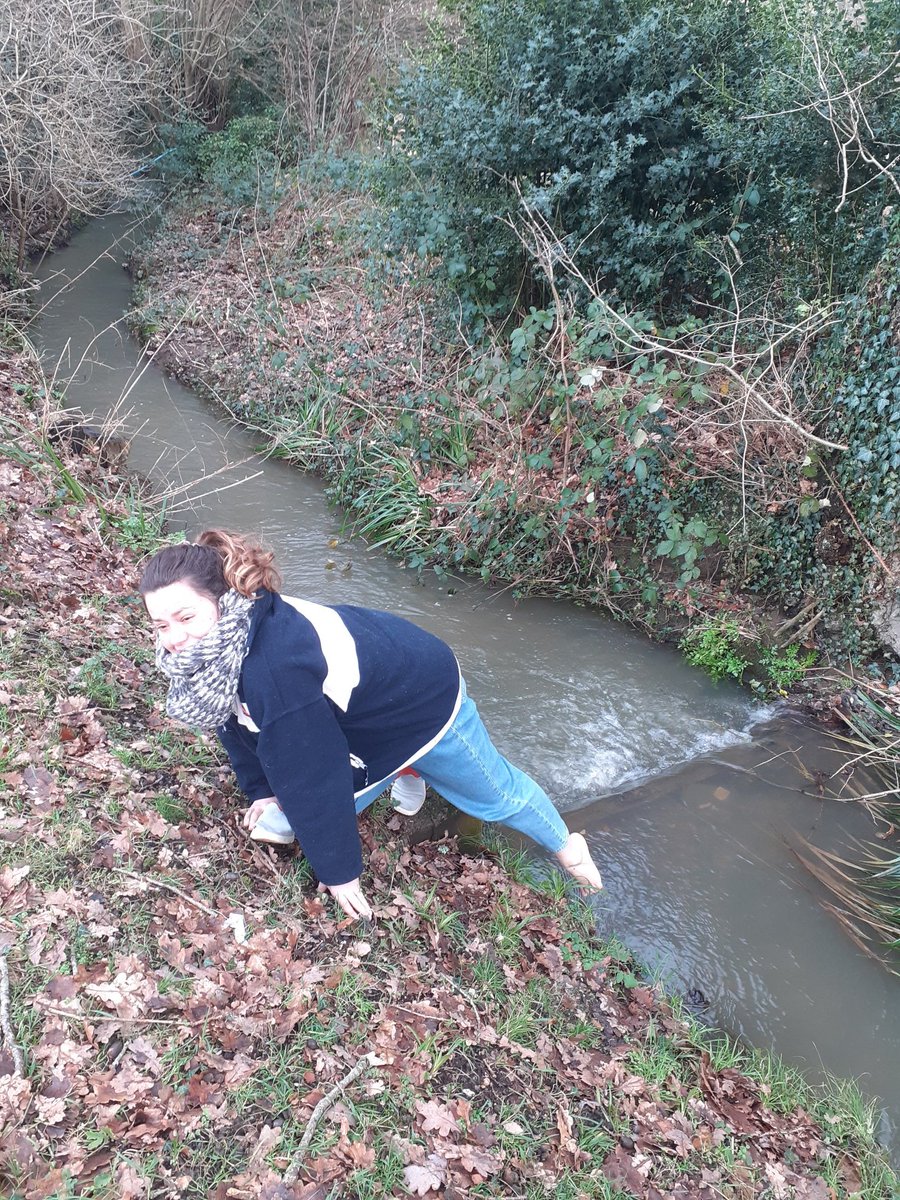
x=367, y=1060
x=5, y=1024
x=548, y=251
x=803, y=634
x=95, y=1017
x=840, y=495
x=796, y=619
x=159, y=883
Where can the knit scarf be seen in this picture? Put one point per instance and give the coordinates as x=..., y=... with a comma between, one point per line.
x=203, y=677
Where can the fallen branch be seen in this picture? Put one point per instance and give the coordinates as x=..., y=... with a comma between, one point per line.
x=368, y=1060
x=783, y=630
x=840, y=495
x=234, y=921
x=805, y=632
x=170, y=887
x=5, y=1023
x=540, y=241
x=93, y=1017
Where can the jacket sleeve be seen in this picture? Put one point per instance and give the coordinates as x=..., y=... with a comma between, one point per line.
x=244, y=760
x=306, y=758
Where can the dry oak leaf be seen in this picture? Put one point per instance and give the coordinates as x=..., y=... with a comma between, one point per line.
x=437, y=1117
x=426, y=1177
x=360, y=1155
x=131, y=1184
x=15, y=1094
x=41, y=786
x=474, y=1159
x=619, y=1170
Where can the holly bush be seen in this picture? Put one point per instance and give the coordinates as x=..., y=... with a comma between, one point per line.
x=666, y=146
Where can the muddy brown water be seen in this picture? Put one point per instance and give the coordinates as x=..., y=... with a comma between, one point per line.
x=690, y=793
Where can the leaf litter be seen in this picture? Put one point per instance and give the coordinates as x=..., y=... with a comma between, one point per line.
x=184, y=1000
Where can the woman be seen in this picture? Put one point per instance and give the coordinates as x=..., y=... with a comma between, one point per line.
x=320, y=708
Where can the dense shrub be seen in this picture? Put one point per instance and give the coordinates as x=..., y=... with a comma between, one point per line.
x=626, y=125
x=238, y=163
x=592, y=108
x=836, y=546
x=801, y=230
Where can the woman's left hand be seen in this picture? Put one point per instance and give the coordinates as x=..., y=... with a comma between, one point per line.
x=256, y=810
x=350, y=897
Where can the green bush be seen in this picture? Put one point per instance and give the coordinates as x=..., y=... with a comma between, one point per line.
x=784, y=667
x=799, y=229
x=663, y=144
x=240, y=161
x=592, y=108
x=178, y=163
x=830, y=545
x=715, y=647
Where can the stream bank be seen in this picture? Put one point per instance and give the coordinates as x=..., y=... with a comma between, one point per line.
x=452, y=456
x=697, y=800
x=183, y=1001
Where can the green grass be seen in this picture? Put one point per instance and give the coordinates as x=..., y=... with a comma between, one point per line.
x=489, y=979
x=97, y=683
x=141, y=525
x=166, y=748
x=431, y=910
x=386, y=489
x=657, y=1060
x=171, y=809
x=527, y=1013
x=505, y=927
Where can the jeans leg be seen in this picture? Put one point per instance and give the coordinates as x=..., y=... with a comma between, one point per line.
x=370, y=795
x=467, y=769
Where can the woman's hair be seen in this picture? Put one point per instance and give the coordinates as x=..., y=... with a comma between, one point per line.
x=214, y=563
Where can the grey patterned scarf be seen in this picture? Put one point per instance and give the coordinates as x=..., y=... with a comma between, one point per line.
x=203, y=678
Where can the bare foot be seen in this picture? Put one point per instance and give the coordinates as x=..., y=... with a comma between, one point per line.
x=575, y=857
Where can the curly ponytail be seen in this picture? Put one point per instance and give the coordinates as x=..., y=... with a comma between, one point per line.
x=247, y=567
x=216, y=562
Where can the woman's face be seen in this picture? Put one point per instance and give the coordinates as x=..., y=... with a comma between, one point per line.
x=181, y=615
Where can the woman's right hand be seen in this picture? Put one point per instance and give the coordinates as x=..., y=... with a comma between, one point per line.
x=256, y=810
x=350, y=897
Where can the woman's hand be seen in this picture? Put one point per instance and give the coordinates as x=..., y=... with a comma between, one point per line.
x=349, y=896
x=256, y=810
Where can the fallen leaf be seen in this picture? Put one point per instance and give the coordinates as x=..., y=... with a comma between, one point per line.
x=426, y=1177
x=436, y=1117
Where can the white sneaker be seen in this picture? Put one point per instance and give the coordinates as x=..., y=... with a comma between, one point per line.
x=273, y=826
x=408, y=794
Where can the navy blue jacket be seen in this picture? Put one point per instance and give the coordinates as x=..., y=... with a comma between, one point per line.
x=320, y=684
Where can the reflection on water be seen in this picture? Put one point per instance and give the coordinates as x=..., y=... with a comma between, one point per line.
x=701, y=878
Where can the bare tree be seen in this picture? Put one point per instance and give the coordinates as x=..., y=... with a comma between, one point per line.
x=190, y=51
x=864, y=158
x=67, y=107
x=332, y=54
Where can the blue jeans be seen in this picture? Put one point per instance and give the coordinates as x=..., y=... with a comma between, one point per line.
x=467, y=769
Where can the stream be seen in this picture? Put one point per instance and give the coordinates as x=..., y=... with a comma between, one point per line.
x=688, y=791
